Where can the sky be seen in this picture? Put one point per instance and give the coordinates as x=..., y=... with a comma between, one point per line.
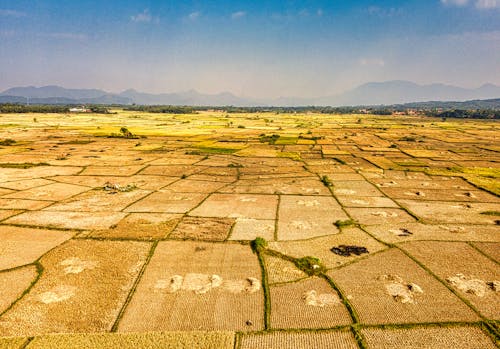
x=250, y=48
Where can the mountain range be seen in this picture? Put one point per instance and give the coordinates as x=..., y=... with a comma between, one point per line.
x=373, y=93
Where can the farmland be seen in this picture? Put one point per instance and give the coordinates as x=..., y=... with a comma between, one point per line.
x=248, y=230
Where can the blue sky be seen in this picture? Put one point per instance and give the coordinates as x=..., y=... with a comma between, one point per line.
x=250, y=48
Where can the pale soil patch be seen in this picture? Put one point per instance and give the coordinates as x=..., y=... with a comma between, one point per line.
x=12, y=342
x=238, y=206
x=451, y=212
x=171, y=171
x=280, y=270
x=13, y=283
x=491, y=249
x=99, y=200
x=20, y=246
x=152, y=340
x=71, y=300
x=332, y=340
x=68, y=220
x=111, y=170
x=366, y=201
x=167, y=201
x=198, y=228
x=310, y=303
x=165, y=300
x=375, y=305
x=321, y=247
x=144, y=226
x=249, y=229
x=464, y=268
x=140, y=181
x=373, y=216
x=195, y=186
x=441, y=194
x=394, y=233
x=355, y=188
x=52, y=192
x=25, y=184
x=302, y=217
x=21, y=204
x=4, y=214
x=459, y=337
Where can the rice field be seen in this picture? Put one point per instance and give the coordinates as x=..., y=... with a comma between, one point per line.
x=312, y=230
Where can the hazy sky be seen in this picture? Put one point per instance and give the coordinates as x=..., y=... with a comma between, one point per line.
x=251, y=48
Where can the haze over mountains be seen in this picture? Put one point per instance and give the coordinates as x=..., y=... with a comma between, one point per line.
x=373, y=93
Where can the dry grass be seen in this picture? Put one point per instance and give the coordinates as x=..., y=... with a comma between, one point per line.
x=279, y=270
x=491, y=249
x=459, y=337
x=207, y=229
x=12, y=343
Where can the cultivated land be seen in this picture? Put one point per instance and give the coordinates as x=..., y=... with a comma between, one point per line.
x=217, y=230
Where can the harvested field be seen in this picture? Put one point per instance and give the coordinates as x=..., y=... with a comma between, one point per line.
x=156, y=233
x=466, y=270
x=204, y=229
x=394, y=233
x=249, y=229
x=280, y=270
x=238, y=206
x=12, y=342
x=21, y=246
x=492, y=249
x=142, y=226
x=459, y=337
x=321, y=247
x=381, y=292
x=67, y=298
x=310, y=303
x=197, y=286
x=68, y=220
x=154, y=340
x=323, y=339
x=303, y=217
x=14, y=283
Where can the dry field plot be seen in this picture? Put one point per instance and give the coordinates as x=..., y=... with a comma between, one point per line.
x=198, y=286
x=459, y=337
x=134, y=236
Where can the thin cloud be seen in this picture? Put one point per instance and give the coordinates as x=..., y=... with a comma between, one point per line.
x=12, y=13
x=193, y=16
x=143, y=17
x=64, y=36
x=487, y=4
x=383, y=12
x=238, y=14
x=319, y=12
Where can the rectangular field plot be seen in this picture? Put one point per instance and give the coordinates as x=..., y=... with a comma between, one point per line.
x=303, y=217
x=393, y=233
x=391, y=288
x=310, y=303
x=451, y=212
x=167, y=201
x=238, y=206
x=198, y=286
x=156, y=340
x=457, y=337
x=82, y=288
x=466, y=270
x=302, y=340
x=13, y=283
